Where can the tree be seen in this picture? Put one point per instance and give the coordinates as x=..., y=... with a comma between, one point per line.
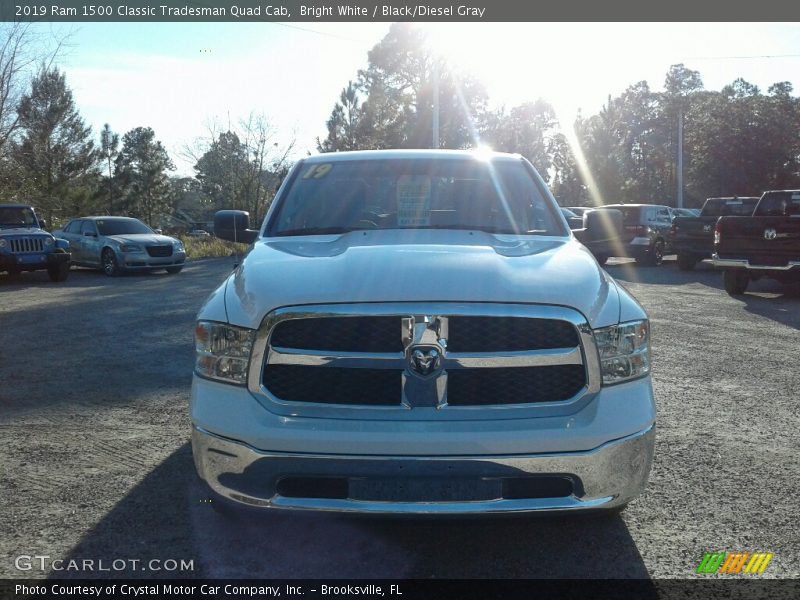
x=55, y=152
x=142, y=167
x=565, y=181
x=238, y=167
x=527, y=129
x=343, y=124
x=109, y=149
x=398, y=90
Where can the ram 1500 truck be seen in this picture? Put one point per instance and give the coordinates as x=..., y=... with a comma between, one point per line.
x=419, y=332
x=766, y=244
x=693, y=237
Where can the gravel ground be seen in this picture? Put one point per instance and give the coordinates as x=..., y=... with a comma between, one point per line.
x=96, y=464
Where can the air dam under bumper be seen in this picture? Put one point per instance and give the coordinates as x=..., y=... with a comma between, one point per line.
x=606, y=477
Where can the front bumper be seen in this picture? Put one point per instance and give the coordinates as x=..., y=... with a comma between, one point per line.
x=142, y=261
x=605, y=477
x=33, y=262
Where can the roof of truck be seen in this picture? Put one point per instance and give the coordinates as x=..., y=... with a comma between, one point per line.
x=397, y=154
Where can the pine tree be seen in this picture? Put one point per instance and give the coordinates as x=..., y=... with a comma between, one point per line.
x=55, y=152
x=142, y=167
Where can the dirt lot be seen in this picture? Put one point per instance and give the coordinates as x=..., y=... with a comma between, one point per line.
x=96, y=464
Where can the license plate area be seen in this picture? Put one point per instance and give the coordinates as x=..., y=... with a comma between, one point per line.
x=29, y=259
x=425, y=489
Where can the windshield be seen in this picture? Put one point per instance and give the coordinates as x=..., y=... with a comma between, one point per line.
x=631, y=215
x=729, y=207
x=121, y=226
x=16, y=216
x=341, y=196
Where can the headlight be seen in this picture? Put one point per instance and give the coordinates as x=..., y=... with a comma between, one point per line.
x=130, y=247
x=48, y=242
x=178, y=245
x=222, y=351
x=624, y=351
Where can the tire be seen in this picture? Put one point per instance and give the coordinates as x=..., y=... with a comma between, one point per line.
x=109, y=264
x=736, y=281
x=686, y=262
x=655, y=257
x=602, y=258
x=14, y=274
x=174, y=270
x=59, y=272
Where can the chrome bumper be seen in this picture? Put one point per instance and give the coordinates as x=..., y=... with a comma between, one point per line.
x=741, y=263
x=606, y=477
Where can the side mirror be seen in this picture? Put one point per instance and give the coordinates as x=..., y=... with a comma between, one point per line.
x=158, y=231
x=42, y=224
x=234, y=226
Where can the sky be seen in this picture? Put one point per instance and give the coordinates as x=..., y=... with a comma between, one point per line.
x=180, y=78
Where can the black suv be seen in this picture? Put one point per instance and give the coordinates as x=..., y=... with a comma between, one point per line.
x=644, y=234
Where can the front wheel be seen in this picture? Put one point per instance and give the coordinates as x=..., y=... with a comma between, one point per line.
x=602, y=258
x=174, y=270
x=58, y=272
x=686, y=262
x=735, y=281
x=656, y=255
x=109, y=263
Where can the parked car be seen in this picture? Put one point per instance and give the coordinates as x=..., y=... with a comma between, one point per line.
x=119, y=244
x=766, y=244
x=403, y=338
x=644, y=235
x=26, y=246
x=692, y=238
x=198, y=233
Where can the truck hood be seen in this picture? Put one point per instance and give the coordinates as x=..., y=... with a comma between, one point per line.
x=419, y=266
x=22, y=231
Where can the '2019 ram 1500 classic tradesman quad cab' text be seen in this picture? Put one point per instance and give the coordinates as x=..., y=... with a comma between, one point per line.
x=766, y=244
x=420, y=332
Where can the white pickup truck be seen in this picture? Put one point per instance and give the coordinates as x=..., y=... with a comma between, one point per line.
x=420, y=332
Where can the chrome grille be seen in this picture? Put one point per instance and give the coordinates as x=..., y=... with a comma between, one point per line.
x=26, y=245
x=160, y=251
x=450, y=357
x=340, y=334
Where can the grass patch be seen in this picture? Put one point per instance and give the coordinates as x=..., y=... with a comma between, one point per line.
x=207, y=247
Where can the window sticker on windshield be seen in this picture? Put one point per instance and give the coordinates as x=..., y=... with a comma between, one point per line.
x=413, y=201
x=733, y=202
x=318, y=171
